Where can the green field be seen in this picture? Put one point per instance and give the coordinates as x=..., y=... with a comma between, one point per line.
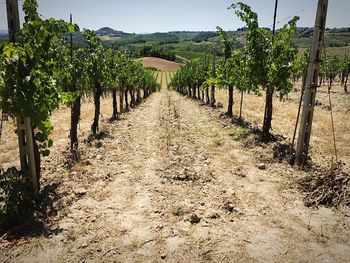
x=190, y=55
x=191, y=45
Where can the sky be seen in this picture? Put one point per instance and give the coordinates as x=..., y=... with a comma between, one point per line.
x=148, y=16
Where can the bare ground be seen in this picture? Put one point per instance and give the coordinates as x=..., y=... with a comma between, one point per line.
x=171, y=184
x=160, y=64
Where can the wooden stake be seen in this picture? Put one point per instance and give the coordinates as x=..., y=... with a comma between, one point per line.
x=309, y=96
x=12, y=19
x=71, y=39
x=24, y=125
x=212, y=90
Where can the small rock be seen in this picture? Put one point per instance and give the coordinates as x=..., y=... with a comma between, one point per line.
x=214, y=215
x=182, y=177
x=80, y=191
x=99, y=144
x=84, y=245
x=205, y=224
x=261, y=166
x=163, y=256
x=65, y=225
x=194, y=219
x=229, y=207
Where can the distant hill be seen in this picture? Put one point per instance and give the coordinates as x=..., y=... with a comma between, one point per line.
x=3, y=34
x=198, y=44
x=107, y=31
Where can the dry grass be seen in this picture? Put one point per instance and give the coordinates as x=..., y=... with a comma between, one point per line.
x=61, y=123
x=285, y=113
x=340, y=51
x=159, y=77
x=109, y=38
x=140, y=196
x=8, y=145
x=283, y=122
x=164, y=78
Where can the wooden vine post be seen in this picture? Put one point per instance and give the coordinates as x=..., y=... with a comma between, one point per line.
x=24, y=124
x=212, y=92
x=311, y=84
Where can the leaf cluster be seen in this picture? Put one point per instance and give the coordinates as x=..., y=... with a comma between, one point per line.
x=16, y=200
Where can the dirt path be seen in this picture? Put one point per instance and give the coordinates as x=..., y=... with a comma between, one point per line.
x=171, y=185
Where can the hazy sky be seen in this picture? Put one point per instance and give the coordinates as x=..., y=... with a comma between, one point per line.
x=169, y=15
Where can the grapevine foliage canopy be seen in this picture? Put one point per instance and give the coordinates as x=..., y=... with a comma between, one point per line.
x=270, y=59
x=29, y=88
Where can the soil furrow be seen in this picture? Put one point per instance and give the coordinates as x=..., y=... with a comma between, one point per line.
x=180, y=188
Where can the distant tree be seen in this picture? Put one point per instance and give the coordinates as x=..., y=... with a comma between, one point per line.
x=158, y=52
x=242, y=29
x=204, y=36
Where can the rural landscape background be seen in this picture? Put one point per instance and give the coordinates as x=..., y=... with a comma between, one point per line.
x=160, y=171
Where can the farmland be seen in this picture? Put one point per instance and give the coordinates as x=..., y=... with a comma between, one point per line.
x=139, y=184
x=186, y=146
x=159, y=64
x=195, y=44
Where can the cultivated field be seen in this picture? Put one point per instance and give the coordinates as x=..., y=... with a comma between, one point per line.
x=160, y=64
x=117, y=155
x=173, y=182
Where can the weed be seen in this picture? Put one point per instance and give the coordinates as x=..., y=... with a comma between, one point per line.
x=239, y=133
x=177, y=211
x=134, y=245
x=176, y=114
x=16, y=200
x=218, y=142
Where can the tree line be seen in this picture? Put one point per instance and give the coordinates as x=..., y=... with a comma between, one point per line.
x=158, y=52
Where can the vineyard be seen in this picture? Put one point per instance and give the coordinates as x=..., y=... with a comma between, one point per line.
x=148, y=160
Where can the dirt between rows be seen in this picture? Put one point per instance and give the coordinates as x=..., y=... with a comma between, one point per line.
x=170, y=183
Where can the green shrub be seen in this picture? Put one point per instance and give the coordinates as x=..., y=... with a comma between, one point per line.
x=16, y=200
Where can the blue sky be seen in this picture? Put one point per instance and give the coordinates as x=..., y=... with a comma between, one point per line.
x=169, y=15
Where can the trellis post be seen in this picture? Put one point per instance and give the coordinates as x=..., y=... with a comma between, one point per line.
x=24, y=124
